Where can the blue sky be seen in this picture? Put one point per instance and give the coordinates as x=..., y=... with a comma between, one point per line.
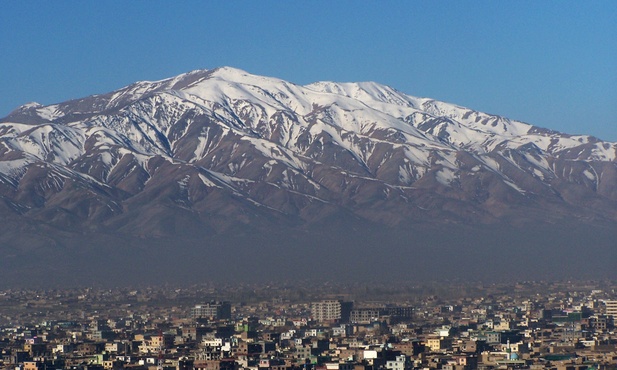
x=549, y=63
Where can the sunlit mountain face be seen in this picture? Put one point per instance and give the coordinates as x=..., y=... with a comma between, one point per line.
x=259, y=173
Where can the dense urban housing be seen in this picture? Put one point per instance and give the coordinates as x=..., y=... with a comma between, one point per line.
x=532, y=325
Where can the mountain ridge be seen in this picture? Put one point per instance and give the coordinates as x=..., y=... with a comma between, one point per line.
x=211, y=152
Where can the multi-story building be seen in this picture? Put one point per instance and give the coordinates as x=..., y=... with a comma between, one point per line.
x=212, y=310
x=365, y=315
x=611, y=309
x=155, y=343
x=331, y=310
x=436, y=344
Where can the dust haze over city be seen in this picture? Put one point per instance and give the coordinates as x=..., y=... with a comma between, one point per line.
x=153, y=143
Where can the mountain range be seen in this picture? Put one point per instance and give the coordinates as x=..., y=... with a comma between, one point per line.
x=217, y=172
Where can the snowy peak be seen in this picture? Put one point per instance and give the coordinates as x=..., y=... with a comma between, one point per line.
x=369, y=93
x=255, y=99
x=229, y=146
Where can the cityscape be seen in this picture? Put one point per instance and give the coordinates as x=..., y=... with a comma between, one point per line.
x=325, y=326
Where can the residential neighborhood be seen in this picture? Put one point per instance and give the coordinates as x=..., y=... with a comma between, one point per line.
x=531, y=325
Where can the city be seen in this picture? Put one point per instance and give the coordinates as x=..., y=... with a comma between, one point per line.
x=326, y=326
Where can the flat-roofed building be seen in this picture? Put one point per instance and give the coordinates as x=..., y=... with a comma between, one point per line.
x=331, y=310
x=212, y=310
x=611, y=309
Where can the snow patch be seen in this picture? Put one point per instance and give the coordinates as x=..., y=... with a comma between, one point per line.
x=445, y=176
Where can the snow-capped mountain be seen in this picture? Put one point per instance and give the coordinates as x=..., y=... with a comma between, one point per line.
x=221, y=161
x=223, y=147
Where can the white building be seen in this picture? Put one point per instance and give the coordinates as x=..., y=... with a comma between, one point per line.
x=611, y=309
x=330, y=310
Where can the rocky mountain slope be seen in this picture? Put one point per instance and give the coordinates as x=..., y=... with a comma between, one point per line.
x=220, y=152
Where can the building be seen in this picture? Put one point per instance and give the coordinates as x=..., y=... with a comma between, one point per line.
x=212, y=310
x=611, y=309
x=399, y=363
x=331, y=310
x=365, y=315
x=436, y=344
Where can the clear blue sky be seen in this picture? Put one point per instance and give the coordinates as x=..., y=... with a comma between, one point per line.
x=549, y=63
